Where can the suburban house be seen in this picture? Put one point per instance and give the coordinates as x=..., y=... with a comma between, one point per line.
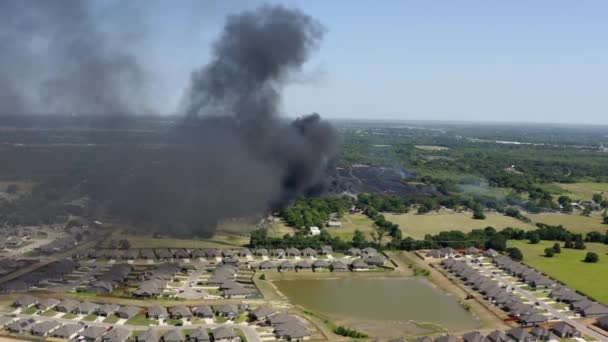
x=471, y=251
x=225, y=334
x=325, y=250
x=173, y=336
x=543, y=334
x=150, y=335
x=44, y=328
x=286, y=266
x=67, y=305
x=565, y=330
x=279, y=252
x=157, y=312
x=127, y=311
x=261, y=313
x=602, y=322
x=497, y=336
x=304, y=265
x=490, y=253
x=86, y=308
x=101, y=286
x=117, y=335
x=179, y=312
x=338, y=266
x=93, y=333
x=21, y=325
x=309, y=252
x=474, y=336
x=519, y=334
x=25, y=301
x=293, y=252
x=314, y=230
x=203, y=311
x=261, y=252
x=288, y=327
x=227, y=310
x=68, y=331
x=107, y=309
x=359, y=265
x=46, y=304
x=320, y=264
x=199, y=335
x=353, y=251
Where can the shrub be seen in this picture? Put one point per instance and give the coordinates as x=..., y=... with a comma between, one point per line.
x=342, y=331
x=515, y=254
x=549, y=252
x=591, y=257
x=556, y=248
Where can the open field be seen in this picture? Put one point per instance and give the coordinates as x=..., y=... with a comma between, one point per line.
x=569, y=268
x=350, y=223
x=584, y=190
x=417, y=226
x=573, y=222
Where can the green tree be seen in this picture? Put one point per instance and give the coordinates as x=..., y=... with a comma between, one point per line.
x=579, y=243
x=549, y=252
x=591, y=257
x=124, y=244
x=586, y=211
x=515, y=253
x=358, y=238
x=556, y=248
x=534, y=238
x=478, y=214
x=263, y=276
x=497, y=242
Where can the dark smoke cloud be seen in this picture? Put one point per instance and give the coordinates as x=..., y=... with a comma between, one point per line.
x=55, y=59
x=233, y=155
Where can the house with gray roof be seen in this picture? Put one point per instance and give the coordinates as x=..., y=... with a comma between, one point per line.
x=68, y=331
x=101, y=286
x=565, y=330
x=117, y=335
x=543, y=334
x=359, y=265
x=157, y=312
x=497, y=336
x=261, y=313
x=67, y=305
x=224, y=334
x=180, y=311
x=173, y=336
x=286, y=266
x=203, y=311
x=267, y=265
x=338, y=266
x=21, y=326
x=309, y=252
x=533, y=319
x=277, y=252
x=293, y=252
x=602, y=322
x=227, y=310
x=261, y=252
x=304, y=265
x=490, y=253
x=127, y=311
x=86, y=308
x=375, y=260
x=150, y=335
x=471, y=251
x=320, y=264
x=424, y=339
x=107, y=309
x=92, y=333
x=473, y=336
x=326, y=249
x=368, y=252
x=46, y=303
x=44, y=328
x=520, y=335
x=25, y=301
x=199, y=335
x=446, y=338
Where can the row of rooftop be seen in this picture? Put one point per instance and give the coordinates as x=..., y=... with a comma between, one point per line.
x=185, y=253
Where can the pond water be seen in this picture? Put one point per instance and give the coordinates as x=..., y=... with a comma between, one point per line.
x=402, y=299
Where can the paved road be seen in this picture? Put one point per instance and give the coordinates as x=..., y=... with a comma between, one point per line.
x=561, y=316
x=249, y=331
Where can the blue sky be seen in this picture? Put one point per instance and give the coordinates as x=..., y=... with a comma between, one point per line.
x=538, y=61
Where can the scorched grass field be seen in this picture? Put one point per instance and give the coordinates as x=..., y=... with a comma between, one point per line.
x=584, y=190
x=569, y=268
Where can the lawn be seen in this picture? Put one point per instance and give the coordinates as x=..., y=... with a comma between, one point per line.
x=584, y=190
x=573, y=222
x=278, y=228
x=49, y=313
x=569, y=268
x=69, y=315
x=29, y=311
x=417, y=226
x=111, y=319
x=141, y=319
x=90, y=318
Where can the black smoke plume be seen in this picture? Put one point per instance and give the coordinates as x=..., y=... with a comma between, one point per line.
x=55, y=59
x=233, y=155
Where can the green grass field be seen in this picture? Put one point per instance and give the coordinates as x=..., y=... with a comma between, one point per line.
x=350, y=223
x=569, y=268
x=417, y=226
x=573, y=222
x=584, y=190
